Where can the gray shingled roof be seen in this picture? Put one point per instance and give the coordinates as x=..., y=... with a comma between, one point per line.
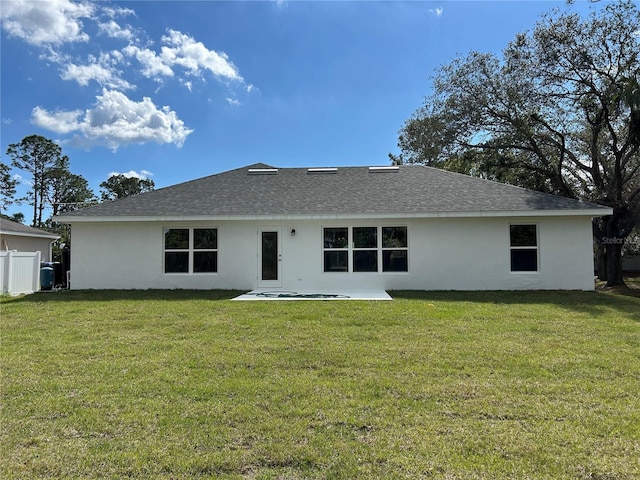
x=347, y=191
x=9, y=227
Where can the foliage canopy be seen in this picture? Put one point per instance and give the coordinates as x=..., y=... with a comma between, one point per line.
x=121, y=186
x=558, y=112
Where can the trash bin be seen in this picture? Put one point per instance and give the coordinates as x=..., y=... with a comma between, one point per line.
x=57, y=274
x=46, y=278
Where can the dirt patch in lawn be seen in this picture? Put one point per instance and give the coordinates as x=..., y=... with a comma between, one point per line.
x=631, y=287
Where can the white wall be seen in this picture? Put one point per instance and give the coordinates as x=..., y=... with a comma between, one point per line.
x=27, y=244
x=444, y=254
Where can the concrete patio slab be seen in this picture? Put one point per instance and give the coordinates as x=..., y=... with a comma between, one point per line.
x=311, y=295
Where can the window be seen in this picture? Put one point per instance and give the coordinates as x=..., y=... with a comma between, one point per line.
x=365, y=249
x=524, y=248
x=190, y=250
x=394, y=249
x=176, y=250
x=336, y=252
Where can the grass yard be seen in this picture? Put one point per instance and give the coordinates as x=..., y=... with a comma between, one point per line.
x=173, y=385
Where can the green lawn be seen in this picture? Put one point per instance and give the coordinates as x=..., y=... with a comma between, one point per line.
x=184, y=384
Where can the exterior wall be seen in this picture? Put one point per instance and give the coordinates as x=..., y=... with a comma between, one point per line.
x=130, y=256
x=27, y=244
x=444, y=254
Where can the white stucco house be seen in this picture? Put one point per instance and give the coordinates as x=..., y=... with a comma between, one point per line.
x=332, y=229
x=17, y=237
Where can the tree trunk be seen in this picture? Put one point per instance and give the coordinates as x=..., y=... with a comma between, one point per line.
x=613, y=241
x=614, y=265
x=40, y=209
x=601, y=261
x=35, y=209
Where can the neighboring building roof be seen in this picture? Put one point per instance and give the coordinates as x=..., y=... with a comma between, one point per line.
x=261, y=191
x=9, y=227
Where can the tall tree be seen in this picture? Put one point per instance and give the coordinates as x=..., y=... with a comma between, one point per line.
x=7, y=187
x=37, y=155
x=560, y=109
x=67, y=191
x=120, y=186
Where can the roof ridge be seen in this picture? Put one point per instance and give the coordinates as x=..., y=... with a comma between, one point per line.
x=257, y=165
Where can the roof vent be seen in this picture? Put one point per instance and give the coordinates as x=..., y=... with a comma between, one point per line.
x=316, y=171
x=262, y=171
x=394, y=168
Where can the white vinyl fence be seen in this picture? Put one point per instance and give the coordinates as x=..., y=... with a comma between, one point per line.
x=19, y=272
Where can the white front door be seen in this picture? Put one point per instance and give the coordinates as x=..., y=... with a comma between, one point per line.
x=269, y=257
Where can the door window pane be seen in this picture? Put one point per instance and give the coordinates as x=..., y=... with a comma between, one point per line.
x=269, y=255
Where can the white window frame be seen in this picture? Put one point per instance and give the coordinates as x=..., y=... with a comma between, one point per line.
x=346, y=249
x=350, y=249
x=353, y=249
x=388, y=249
x=525, y=247
x=190, y=251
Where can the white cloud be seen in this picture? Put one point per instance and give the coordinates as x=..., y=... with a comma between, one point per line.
x=113, y=12
x=152, y=64
x=116, y=121
x=42, y=23
x=142, y=175
x=51, y=23
x=114, y=30
x=102, y=70
x=59, y=122
x=183, y=50
x=437, y=11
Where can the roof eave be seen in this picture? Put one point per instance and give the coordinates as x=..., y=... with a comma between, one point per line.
x=591, y=212
x=32, y=235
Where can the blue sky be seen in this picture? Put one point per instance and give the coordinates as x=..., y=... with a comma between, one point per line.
x=177, y=90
